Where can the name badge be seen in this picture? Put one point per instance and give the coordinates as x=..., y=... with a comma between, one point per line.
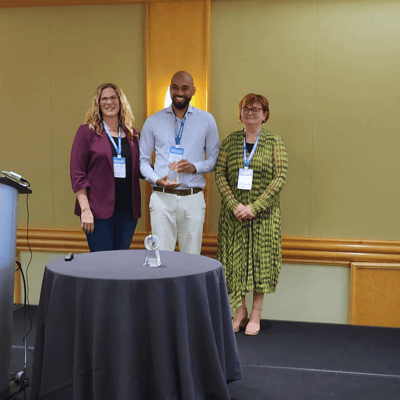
x=119, y=167
x=175, y=154
x=245, y=180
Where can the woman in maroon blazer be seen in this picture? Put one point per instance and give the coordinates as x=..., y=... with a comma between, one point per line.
x=105, y=171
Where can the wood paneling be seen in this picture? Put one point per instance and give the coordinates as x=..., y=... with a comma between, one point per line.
x=296, y=250
x=338, y=251
x=375, y=294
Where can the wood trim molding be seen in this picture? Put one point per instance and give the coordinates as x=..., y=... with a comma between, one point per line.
x=295, y=249
x=331, y=251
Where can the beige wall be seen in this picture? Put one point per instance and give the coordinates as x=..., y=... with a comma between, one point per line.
x=330, y=71
x=52, y=60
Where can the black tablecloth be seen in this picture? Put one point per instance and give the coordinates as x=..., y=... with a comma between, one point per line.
x=109, y=328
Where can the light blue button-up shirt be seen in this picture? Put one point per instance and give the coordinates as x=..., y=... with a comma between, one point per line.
x=200, y=137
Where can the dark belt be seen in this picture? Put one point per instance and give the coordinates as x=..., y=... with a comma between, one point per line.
x=178, y=192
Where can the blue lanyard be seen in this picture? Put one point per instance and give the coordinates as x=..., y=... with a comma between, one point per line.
x=119, y=148
x=178, y=134
x=245, y=159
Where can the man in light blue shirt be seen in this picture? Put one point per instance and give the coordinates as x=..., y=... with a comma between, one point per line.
x=181, y=136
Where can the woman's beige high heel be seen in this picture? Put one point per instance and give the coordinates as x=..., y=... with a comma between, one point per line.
x=238, y=323
x=253, y=332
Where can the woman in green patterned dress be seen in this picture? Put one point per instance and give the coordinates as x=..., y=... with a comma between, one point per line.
x=249, y=227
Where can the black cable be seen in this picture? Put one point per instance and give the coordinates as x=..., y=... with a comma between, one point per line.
x=23, y=385
x=25, y=300
x=24, y=180
x=25, y=382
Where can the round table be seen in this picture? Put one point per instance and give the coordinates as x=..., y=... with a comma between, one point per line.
x=110, y=328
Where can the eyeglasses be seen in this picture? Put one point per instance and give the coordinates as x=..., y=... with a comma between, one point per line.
x=254, y=110
x=104, y=100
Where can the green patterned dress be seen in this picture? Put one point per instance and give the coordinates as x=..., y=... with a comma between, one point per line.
x=250, y=251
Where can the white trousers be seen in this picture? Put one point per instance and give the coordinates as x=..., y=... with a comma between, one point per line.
x=179, y=217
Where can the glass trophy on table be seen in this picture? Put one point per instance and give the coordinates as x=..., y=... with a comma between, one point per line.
x=152, y=255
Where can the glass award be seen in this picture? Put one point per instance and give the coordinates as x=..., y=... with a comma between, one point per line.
x=172, y=174
x=152, y=255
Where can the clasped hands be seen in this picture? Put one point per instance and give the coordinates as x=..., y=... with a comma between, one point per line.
x=244, y=213
x=182, y=166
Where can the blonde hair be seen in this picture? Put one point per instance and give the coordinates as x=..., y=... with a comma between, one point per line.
x=94, y=117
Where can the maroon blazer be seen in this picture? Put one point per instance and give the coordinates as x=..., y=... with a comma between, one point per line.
x=91, y=168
